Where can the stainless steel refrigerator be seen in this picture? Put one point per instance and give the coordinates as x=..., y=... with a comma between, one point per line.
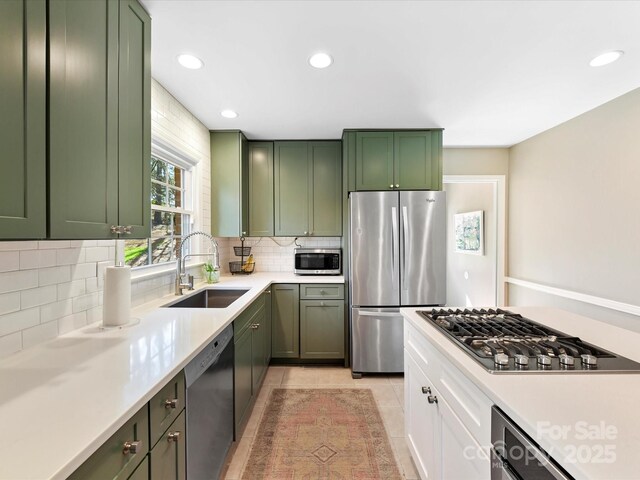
x=397, y=259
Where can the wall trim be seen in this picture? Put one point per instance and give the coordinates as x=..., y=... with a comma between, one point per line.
x=500, y=202
x=581, y=297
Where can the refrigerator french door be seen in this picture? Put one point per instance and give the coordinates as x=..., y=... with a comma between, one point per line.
x=397, y=259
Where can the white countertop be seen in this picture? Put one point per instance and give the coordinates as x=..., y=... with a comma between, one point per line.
x=59, y=401
x=575, y=401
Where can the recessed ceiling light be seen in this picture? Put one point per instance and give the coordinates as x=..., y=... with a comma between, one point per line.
x=189, y=61
x=228, y=114
x=320, y=60
x=606, y=58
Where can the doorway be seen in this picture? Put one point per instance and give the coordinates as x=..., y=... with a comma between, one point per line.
x=476, y=280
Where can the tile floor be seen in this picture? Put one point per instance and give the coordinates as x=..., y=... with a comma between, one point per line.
x=387, y=390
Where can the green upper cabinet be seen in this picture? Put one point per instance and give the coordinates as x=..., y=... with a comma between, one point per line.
x=261, y=189
x=229, y=184
x=99, y=119
x=23, y=119
x=134, y=119
x=397, y=160
x=308, y=188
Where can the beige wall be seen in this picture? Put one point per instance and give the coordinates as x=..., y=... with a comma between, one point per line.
x=475, y=161
x=574, y=209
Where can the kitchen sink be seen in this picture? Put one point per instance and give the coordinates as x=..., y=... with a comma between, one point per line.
x=214, y=298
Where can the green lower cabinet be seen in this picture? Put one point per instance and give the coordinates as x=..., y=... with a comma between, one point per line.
x=119, y=456
x=242, y=384
x=258, y=347
x=285, y=321
x=267, y=326
x=165, y=407
x=168, y=456
x=322, y=329
x=142, y=472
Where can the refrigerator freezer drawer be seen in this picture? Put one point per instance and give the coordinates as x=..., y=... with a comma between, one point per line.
x=377, y=340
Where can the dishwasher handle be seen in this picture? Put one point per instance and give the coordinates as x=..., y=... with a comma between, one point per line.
x=208, y=357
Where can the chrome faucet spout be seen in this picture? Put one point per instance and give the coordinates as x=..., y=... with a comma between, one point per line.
x=181, y=283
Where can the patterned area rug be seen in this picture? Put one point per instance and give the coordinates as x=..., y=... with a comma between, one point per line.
x=321, y=434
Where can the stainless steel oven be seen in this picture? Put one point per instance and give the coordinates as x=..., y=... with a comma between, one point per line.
x=515, y=456
x=318, y=261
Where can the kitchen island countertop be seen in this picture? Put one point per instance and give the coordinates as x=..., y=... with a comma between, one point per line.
x=61, y=400
x=572, y=416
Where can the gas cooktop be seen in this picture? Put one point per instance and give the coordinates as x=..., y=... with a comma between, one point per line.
x=506, y=342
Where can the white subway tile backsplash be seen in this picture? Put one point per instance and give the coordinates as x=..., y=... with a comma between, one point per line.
x=9, y=302
x=83, y=270
x=52, y=275
x=72, y=322
x=94, y=315
x=9, y=261
x=30, y=259
x=10, y=344
x=19, y=246
x=70, y=256
x=14, y=322
x=97, y=254
x=71, y=289
x=19, y=280
x=86, y=302
x=56, y=310
x=46, y=244
x=40, y=333
x=35, y=297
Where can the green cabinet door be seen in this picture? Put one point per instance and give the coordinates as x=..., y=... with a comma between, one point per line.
x=285, y=340
x=374, y=160
x=261, y=189
x=258, y=346
x=168, y=460
x=83, y=118
x=142, y=472
x=23, y=119
x=417, y=160
x=293, y=186
x=242, y=381
x=322, y=329
x=229, y=184
x=111, y=460
x=134, y=120
x=267, y=326
x=326, y=194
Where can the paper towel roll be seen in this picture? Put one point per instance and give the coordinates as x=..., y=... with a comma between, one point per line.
x=116, y=305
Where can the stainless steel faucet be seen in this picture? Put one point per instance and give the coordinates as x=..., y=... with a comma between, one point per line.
x=182, y=279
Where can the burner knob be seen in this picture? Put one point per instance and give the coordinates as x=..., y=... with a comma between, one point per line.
x=522, y=361
x=501, y=360
x=566, y=361
x=544, y=360
x=589, y=361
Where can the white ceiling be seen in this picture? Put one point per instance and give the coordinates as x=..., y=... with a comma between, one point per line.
x=491, y=73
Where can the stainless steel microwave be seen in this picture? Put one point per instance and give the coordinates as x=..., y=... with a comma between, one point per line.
x=317, y=261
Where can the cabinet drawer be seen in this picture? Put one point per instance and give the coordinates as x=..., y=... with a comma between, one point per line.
x=241, y=323
x=165, y=406
x=319, y=291
x=168, y=456
x=110, y=460
x=465, y=399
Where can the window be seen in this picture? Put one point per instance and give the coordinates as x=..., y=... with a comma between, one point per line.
x=171, y=215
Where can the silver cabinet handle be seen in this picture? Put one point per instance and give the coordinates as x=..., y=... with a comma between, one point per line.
x=391, y=186
x=397, y=185
x=173, y=436
x=244, y=233
x=426, y=390
x=305, y=232
x=255, y=326
x=127, y=230
x=131, y=447
x=115, y=229
x=121, y=229
x=173, y=403
x=268, y=292
x=322, y=304
x=432, y=399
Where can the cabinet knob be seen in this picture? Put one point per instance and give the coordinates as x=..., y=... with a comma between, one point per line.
x=127, y=230
x=268, y=292
x=397, y=185
x=131, y=447
x=432, y=399
x=244, y=233
x=255, y=326
x=322, y=304
x=173, y=403
x=173, y=436
x=426, y=390
x=305, y=232
x=391, y=186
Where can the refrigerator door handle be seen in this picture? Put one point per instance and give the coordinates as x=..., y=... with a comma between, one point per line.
x=405, y=237
x=367, y=313
x=394, y=236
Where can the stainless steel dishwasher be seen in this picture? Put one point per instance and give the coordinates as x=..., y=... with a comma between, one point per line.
x=209, y=380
